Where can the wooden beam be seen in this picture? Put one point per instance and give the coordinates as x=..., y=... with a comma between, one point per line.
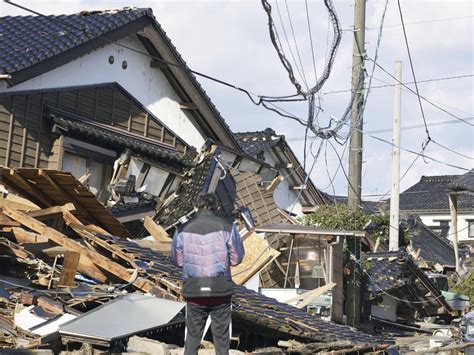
x=62, y=192
x=188, y=106
x=18, y=203
x=70, y=265
x=25, y=237
x=70, y=219
x=10, y=135
x=158, y=64
x=18, y=183
x=274, y=184
x=87, y=256
x=284, y=166
x=156, y=231
x=298, y=187
x=303, y=299
x=51, y=212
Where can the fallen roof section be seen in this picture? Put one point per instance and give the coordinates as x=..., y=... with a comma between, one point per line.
x=432, y=248
x=48, y=188
x=396, y=274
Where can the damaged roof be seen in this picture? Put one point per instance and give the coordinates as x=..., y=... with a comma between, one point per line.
x=434, y=249
x=92, y=131
x=33, y=45
x=396, y=273
x=253, y=143
x=182, y=202
x=430, y=194
x=249, y=305
x=257, y=142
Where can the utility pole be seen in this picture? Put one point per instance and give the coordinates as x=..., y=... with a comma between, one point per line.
x=394, y=197
x=453, y=230
x=355, y=151
x=352, y=295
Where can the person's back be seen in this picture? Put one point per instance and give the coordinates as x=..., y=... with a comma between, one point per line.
x=205, y=248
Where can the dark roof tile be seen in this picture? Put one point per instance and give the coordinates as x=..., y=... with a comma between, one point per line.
x=27, y=40
x=431, y=194
x=434, y=248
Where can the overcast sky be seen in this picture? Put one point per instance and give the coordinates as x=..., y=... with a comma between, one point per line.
x=229, y=40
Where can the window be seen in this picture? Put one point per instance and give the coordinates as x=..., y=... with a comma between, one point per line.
x=442, y=223
x=470, y=224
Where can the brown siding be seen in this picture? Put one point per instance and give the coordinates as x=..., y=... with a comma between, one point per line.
x=25, y=136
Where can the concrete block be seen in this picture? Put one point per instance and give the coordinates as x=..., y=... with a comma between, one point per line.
x=147, y=346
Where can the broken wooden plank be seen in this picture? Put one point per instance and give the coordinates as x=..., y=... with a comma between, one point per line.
x=70, y=265
x=156, y=231
x=87, y=256
x=17, y=202
x=274, y=184
x=23, y=236
x=72, y=220
x=257, y=256
x=16, y=182
x=303, y=299
x=51, y=212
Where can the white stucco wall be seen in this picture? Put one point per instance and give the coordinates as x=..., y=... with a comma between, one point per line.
x=147, y=85
x=284, y=197
x=463, y=218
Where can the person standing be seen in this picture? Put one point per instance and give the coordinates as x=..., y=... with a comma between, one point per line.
x=205, y=248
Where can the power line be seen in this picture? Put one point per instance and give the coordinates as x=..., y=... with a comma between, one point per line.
x=413, y=73
x=437, y=102
x=261, y=99
x=296, y=43
x=422, y=97
x=405, y=83
x=413, y=152
x=422, y=22
x=311, y=39
x=405, y=128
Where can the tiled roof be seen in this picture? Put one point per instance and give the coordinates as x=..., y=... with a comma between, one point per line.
x=256, y=142
x=431, y=194
x=464, y=183
x=395, y=273
x=28, y=40
x=248, y=305
x=125, y=209
x=183, y=203
x=367, y=206
x=90, y=131
x=434, y=248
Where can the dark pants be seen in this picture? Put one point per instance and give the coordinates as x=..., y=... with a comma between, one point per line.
x=196, y=320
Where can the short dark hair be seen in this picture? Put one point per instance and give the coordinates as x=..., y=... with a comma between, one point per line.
x=208, y=201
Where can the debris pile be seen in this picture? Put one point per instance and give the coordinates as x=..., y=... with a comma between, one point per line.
x=70, y=275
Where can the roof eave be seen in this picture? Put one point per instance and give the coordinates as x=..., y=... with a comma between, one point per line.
x=212, y=119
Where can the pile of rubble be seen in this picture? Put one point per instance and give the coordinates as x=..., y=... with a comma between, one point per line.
x=72, y=275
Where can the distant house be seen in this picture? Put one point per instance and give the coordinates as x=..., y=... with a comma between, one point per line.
x=80, y=91
x=429, y=199
x=296, y=192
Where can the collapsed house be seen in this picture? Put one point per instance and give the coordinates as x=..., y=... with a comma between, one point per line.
x=399, y=293
x=297, y=193
x=67, y=269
